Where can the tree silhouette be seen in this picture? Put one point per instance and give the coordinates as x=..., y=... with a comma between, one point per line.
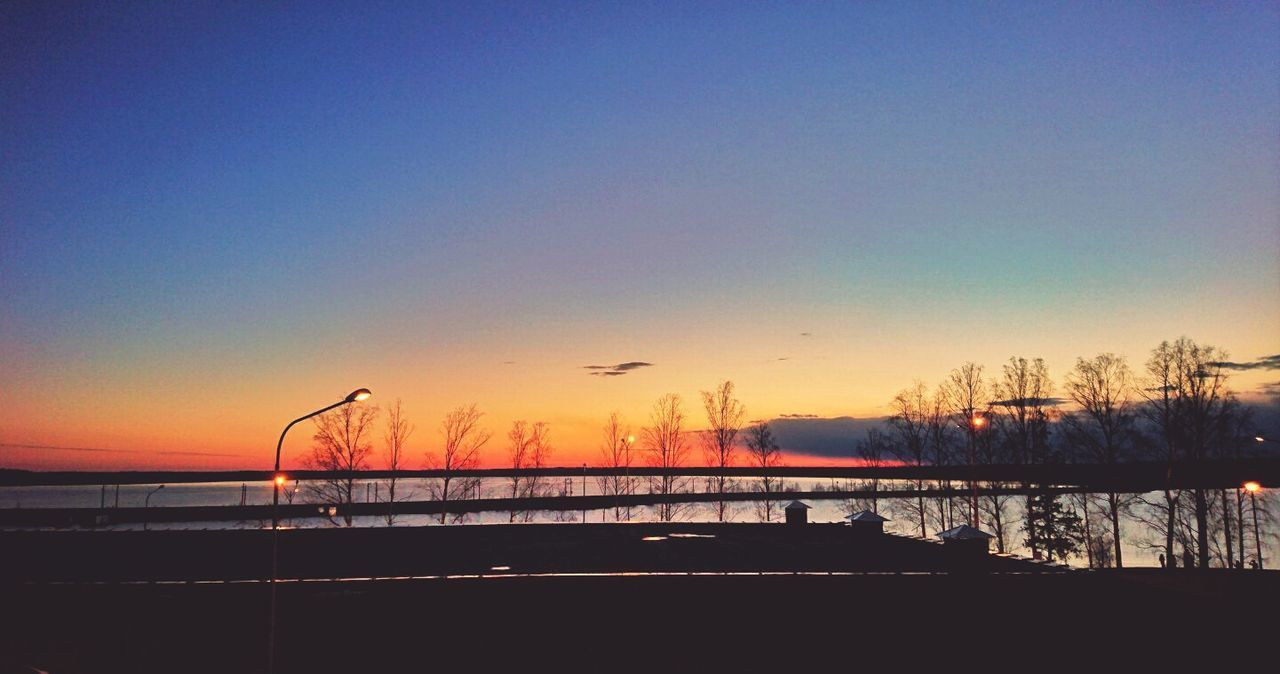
x=666, y=448
x=764, y=453
x=341, y=443
x=463, y=438
x=398, y=430
x=719, y=442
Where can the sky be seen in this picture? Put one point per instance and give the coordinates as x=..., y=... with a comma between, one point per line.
x=216, y=217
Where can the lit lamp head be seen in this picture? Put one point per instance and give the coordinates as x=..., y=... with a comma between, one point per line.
x=978, y=421
x=1252, y=487
x=280, y=480
x=358, y=396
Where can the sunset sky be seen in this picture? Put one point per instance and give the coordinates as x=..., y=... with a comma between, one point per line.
x=217, y=217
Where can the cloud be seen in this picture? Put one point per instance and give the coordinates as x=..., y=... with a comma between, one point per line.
x=615, y=370
x=1029, y=402
x=1263, y=363
x=114, y=451
x=817, y=436
x=508, y=362
x=806, y=334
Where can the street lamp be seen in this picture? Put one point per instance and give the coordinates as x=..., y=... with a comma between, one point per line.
x=358, y=395
x=146, y=503
x=977, y=421
x=1253, y=488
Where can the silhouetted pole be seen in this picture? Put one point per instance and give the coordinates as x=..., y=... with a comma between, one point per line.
x=584, y=492
x=146, y=503
x=1253, y=488
x=277, y=481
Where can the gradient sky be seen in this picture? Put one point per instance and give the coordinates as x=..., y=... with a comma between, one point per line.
x=216, y=217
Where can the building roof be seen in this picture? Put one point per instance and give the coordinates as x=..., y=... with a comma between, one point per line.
x=866, y=516
x=964, y=532
x=794, y=505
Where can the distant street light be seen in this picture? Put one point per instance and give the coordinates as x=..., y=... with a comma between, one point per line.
x=977, y=421
x=1253, y=488
x=146, y=503
x=358, y=395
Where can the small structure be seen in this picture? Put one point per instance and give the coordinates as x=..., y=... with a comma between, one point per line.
x=867, y=522
x=797, y=513
x=965, y=546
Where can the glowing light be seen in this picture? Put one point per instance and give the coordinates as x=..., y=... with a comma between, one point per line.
x=978, y=421
x=1252, y=486
x=359, y=395
x=279, y=480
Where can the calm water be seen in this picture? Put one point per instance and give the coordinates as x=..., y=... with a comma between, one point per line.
x=226, y=494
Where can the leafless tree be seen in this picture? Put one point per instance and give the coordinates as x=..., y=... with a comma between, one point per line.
x=872, y=451
x=615, y=453
x=463, y=438
x=966, y=395
x=341, y=444
x=529, y=448
x=1185, y=394
x=910, y=424
x=719, y=442
x=1103, y=428
x=666, y=447
x=397, y=432
x=764, y=453
x=1022, y=395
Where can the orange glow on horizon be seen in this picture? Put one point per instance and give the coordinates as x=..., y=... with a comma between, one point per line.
x=1252, y=487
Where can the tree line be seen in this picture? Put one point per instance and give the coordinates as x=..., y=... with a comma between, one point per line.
x=1177, y=408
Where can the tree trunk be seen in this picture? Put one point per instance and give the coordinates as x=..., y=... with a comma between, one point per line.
x=1226, y=527
x=1113, y=500
x=444, y=499
x=1170, y=522
x=1202, y=527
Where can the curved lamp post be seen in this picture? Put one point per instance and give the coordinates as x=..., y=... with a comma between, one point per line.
x=1253, y=488
x=277, y=481
x=146, y=503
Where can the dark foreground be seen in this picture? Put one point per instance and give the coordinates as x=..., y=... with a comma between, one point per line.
x=83, y=614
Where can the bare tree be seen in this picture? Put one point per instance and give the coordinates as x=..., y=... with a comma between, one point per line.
x=1022, y=394
x=341, y=444
x=1185, y=394
x=719, y=442
x=966, y=395
x=398, y=430
x=1103, y=428
x=764, y=453
x=615, y=452
x=463, y=438
x=529, y=448
x=665, y=445
x=872, y=451
x=910, y=423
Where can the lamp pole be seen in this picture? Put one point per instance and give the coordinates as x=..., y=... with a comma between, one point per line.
x=1253, y=488
x=277, y=481
x=146, y=503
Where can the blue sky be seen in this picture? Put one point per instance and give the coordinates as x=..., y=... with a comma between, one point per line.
x=278, y=196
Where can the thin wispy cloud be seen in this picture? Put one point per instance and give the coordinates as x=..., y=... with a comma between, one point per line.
x=1029, y=402
x=616, y=370
x=1263, y=363
x=112, y=451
